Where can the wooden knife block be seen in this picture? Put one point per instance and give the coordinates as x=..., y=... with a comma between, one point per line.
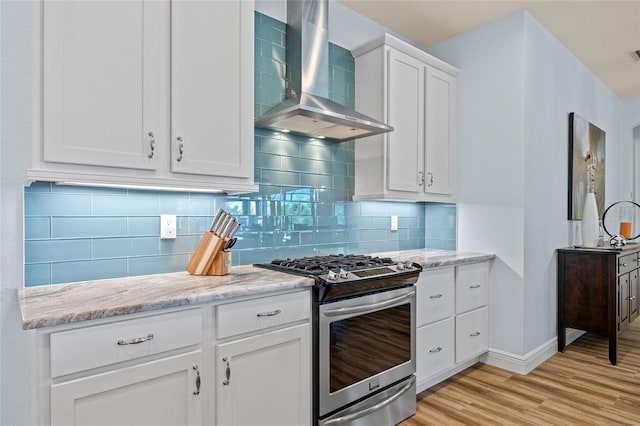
x=209, y=258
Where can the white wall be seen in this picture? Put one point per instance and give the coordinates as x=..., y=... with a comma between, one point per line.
x=490, y=162
x=556, y=83
x=630, y=128
x=15, y=143
x=516, y=88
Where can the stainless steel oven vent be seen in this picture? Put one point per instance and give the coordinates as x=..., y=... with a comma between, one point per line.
x=306, y=109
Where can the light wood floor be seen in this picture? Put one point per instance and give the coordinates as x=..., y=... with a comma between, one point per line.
x=577, y=387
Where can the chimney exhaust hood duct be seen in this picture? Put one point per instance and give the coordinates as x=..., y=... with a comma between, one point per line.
x=307, y=110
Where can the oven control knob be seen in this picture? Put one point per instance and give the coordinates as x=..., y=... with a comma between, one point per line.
x=332, y=276
x=400, y=266
x=343, y=274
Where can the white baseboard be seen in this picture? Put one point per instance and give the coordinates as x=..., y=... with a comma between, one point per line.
x=524, y=364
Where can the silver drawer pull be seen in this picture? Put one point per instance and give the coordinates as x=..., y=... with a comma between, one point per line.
x=476, y=334
x=435, y=296
x=632, y=298
x=436, y=350
x=227, y=372
x=269, y=314
x=197, y=370
x=152, y=144
x=135, y=341
x=180, y=148
x=475, y=286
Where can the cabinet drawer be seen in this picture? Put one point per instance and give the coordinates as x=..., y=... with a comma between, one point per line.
x=435, y=295
x=472, y=286
x=435, y=351
x=472, y=334
x=90, y=347
x=627, y=263
x=257, y=314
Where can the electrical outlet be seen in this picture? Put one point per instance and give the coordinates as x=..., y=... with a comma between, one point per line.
x=168, y=227
x=394, y=223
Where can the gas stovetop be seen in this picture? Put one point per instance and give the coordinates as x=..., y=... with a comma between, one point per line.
x=349, y=274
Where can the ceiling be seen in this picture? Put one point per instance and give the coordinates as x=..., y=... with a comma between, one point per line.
x=603, y=34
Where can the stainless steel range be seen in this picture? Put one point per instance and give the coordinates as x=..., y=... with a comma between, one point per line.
x=364, y=337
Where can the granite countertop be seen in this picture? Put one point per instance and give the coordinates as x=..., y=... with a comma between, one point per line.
x=45, y=306
x=429, y=258
x=57, y=304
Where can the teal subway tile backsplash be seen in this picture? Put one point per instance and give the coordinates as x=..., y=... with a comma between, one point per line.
x=303, y=206
x=88, y=270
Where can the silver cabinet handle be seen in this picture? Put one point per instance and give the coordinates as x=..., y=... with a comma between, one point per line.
x=135, y=340
x=435, y=350
x=152, y=144
x=475, y=286
x=227, y=372
x=435, y=296
x=197, y=370
x=632, y=298
x=476, y=334
x=353, y=416
x=430, y=179
x=624, y=264
x=269, y=314
x=180, y=148
x=420, y=178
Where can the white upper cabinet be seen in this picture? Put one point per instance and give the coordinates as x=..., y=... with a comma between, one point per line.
x=406, y=111
x=439, y=160
x=415, y=94
x=150, y=93
x=102, y=88
x=212, y=88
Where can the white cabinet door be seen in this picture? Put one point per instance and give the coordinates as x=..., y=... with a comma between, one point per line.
x=439, y=132
x=212, y=87
x=405, y=113
x=472, y=286
x=435, y=348
x=472, y=334
x=161, y=392
x=435, y=295
x=103, y=82
x=265, y=380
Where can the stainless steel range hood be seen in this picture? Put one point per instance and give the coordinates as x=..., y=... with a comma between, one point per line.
x=307, y=109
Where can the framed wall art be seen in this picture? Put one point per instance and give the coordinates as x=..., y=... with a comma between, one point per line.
x=586, y=165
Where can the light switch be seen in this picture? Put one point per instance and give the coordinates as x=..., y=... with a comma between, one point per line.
x=167, y=226
x=394, y=223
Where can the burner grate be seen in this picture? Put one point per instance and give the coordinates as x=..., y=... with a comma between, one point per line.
x=321, y=264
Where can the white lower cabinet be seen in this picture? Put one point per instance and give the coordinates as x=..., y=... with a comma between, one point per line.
x=160, y=392
x=435, y=348
x=263, y=361
x=452, y=321
x=244, y=363
x=472, y=337
x=265, y=379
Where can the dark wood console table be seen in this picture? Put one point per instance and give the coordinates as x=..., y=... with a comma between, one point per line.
x=598, y=292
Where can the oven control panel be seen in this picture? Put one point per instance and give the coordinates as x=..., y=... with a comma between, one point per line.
x=343, y=275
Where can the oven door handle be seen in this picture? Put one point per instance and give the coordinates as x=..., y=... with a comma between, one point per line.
x=353, y=416
x=367, y=308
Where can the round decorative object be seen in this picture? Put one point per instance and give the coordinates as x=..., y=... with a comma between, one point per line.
x=620, y=219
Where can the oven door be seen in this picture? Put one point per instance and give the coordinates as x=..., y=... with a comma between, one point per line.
x=365, y=344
